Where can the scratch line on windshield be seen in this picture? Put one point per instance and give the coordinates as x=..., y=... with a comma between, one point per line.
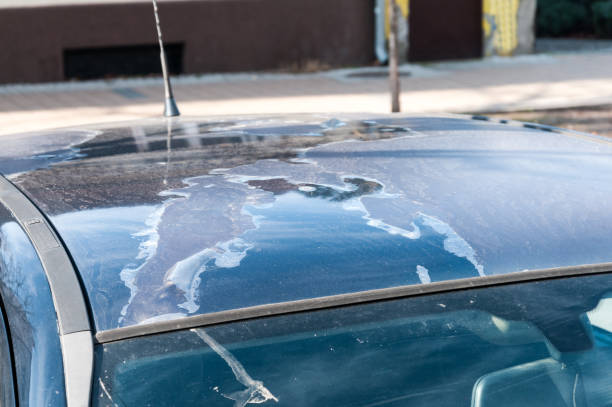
x=106, y=392
x=255, y=392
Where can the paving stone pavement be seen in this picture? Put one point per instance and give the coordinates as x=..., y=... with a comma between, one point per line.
x=540, y=81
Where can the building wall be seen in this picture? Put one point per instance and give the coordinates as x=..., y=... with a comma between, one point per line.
x=445, y=29
x=227, y=35
x=216, y=35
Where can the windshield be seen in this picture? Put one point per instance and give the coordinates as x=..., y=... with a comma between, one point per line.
x=538, y=343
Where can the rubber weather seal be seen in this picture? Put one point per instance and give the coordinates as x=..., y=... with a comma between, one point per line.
x=335, y=301
x=70, y=306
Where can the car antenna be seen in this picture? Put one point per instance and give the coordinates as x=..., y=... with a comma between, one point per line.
x=170, y=108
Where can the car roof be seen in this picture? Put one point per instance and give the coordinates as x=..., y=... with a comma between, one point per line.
x=170, y=218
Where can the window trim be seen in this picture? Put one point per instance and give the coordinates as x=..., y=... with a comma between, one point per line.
x=342, y=300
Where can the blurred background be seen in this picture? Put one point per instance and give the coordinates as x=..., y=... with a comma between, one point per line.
x=70, y=62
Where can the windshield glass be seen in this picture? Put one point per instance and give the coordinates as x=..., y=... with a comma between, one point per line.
x=539, y=343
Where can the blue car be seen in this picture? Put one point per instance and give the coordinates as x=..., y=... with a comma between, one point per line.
x=306, y=261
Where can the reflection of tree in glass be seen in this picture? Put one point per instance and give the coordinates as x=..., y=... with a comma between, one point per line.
x=16, y=300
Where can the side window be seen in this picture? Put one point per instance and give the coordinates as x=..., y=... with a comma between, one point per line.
x=7, y=392
x=30, y=319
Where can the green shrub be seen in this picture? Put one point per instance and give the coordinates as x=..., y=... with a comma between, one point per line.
x=562, y=17
x=602, y=18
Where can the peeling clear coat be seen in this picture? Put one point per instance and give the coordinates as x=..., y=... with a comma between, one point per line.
x=258, y=210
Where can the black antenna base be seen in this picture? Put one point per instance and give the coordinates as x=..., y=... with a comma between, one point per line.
x=170, y=108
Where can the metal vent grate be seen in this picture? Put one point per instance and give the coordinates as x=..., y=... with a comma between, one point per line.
x=108, y=62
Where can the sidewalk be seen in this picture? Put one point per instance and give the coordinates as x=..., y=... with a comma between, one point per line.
x=498, y=84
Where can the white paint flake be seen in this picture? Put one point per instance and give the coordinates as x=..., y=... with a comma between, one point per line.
x=307, y=188
x=357, y=205
x=255, y=392
x=453, y=243
x=148, y=247
x=423, y=274
x=185, y=274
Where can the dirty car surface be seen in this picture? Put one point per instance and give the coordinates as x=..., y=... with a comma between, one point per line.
x=277, y=260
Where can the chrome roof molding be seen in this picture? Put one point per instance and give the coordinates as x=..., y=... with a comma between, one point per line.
x=68, y=298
